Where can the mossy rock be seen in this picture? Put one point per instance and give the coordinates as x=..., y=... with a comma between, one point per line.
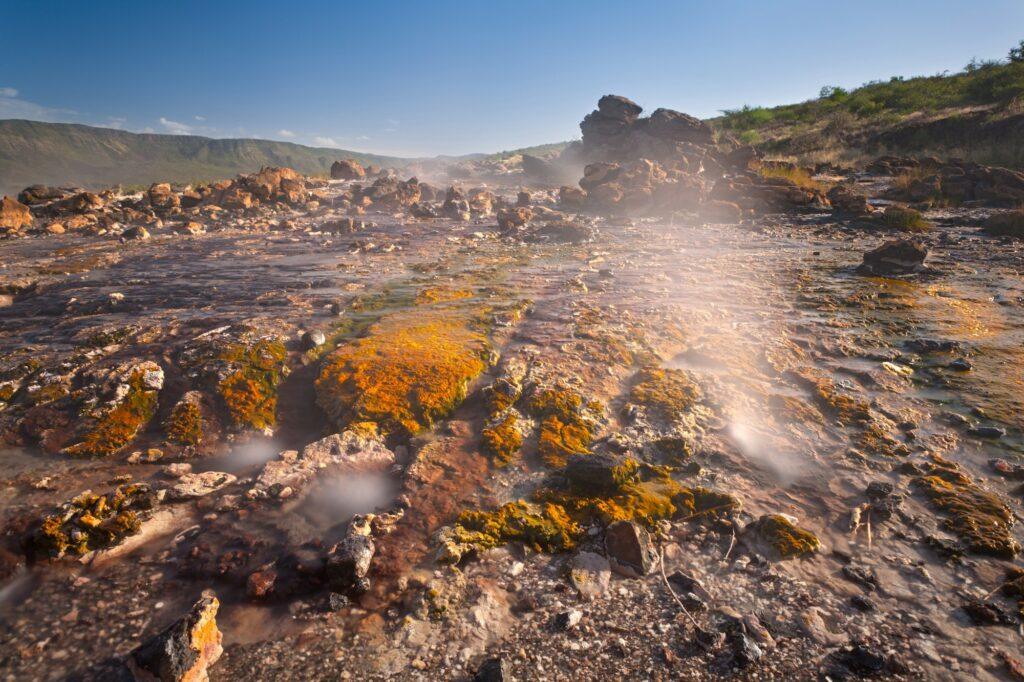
x=782, y=538
x=243, y=368
x=905, y=219
x=185, y=424
x=249, y=390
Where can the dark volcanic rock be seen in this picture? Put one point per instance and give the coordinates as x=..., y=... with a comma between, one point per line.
x=348, y=169
x=630, y=549
x=672, y=125
x=186, y=649
x=493, y=670
x=349, y=562
x=895, y=257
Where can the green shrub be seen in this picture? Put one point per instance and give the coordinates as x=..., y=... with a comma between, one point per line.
x=905, y=219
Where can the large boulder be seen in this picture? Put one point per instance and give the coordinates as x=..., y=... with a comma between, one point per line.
x=162, y=198
x=14, y=216
x=619, y=108
x=347, y=169
x=41, y=194
x=672, y=125
x=895, y=257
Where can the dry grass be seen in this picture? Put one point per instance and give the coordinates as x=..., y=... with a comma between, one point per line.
x=905, y=180
x=798, y=176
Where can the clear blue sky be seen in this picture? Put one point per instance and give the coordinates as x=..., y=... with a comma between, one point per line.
x=445, y=77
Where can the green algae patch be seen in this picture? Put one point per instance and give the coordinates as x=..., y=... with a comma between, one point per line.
x=90, y=522
x=543, y=527
x=249, y=390
x=408, y=371
x=665, y=393
x=978, y=517
x=118, y=426
x=787, y=540
x=502, y=440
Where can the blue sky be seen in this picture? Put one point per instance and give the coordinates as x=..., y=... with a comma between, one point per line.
x=445, y=77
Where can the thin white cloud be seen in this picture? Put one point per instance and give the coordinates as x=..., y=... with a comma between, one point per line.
x=325, y=141
x=200, y=118
x=116, y=122
x=13, y=107
x=285, y=133
x=363, y=137
x=175, y=128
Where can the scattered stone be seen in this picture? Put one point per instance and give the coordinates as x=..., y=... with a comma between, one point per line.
x=590, y=574
x=568, y=620
x=493, y=670
x=629, y=549
x=192, y=486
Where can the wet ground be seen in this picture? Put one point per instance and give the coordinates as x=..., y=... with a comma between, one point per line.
x=769, y=318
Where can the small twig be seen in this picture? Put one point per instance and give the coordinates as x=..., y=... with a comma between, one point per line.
x=661, y=560
x=869, y=528
x=706, y=511
x=732, y=543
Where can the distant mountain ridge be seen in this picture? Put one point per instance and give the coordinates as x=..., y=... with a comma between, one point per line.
x=33, y=152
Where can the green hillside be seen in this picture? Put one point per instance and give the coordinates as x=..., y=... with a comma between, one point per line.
x=977, y=113
x=69, y=154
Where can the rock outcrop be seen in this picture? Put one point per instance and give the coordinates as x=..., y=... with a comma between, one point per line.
x=14, y=216
x=347, y=169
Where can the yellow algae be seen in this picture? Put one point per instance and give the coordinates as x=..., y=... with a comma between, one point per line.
x=185, y=424
x=666, y=393
x=785, y=538
x=249, y=391
x=91, y=522
x=543, y=528
x=118, y=426
x=407, y=372
x=826, y=395
x=978, y=517
x=441, y=294
x=502, y=440
x=565, y=428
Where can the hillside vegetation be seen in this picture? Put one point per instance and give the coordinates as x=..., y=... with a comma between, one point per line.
x=976, y=114
x=69, y=154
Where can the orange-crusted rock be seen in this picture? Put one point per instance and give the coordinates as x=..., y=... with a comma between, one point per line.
x=184, y=651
